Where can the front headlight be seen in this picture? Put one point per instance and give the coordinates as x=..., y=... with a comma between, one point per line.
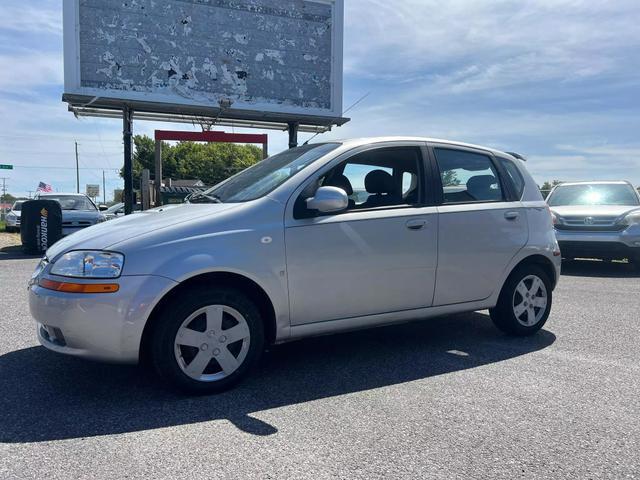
x=632, y=219
x=89, y=264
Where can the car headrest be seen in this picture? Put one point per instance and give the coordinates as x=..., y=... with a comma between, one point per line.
x=342, y=182
x=378, y=181
x=481, y=184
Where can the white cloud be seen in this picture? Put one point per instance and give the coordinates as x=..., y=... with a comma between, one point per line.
x=21, y=17
x=472, y=45
x=27, y=70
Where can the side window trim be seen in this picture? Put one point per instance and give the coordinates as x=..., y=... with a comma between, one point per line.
x=508, y=194
x=423, y=164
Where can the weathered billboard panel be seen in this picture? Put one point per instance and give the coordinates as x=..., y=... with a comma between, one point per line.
x=265, y=56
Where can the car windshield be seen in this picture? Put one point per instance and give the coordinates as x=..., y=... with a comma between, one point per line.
x=115, y=208
x=593, y=194
x=17, y=206
x=71, y=202
x=265, y=176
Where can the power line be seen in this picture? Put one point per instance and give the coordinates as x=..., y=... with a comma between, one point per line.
x=50, y=167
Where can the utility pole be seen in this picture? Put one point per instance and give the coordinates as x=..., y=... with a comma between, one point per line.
x=104, y=190
x=77, y=171
x=4, y=194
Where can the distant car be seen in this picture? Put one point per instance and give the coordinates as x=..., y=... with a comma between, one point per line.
x=13, y=217
x=597, y=220
x=78, y=211
x=117, y=210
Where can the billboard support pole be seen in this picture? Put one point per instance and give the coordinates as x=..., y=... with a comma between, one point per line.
x=157, y=182
x=293, y=134
x=127, y=135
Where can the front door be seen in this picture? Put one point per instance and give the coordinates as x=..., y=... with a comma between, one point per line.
x=377, y=256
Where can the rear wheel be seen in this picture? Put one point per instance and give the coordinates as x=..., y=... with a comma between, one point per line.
x=207, y=340
x=524, y=302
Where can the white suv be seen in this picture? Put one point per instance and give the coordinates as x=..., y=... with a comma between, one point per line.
x=318, y=239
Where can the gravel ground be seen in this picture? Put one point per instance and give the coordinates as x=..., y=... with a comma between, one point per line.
x=9, y=239
x=446, y=398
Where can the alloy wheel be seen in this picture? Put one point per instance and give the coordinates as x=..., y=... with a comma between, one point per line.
x=212, y=343
x=530, y=300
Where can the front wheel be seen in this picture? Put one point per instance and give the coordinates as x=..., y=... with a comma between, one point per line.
x=524, y=302
x=207, y=340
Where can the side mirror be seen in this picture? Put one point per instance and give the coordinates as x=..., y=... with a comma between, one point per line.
x=328, y=199
x=102, y=208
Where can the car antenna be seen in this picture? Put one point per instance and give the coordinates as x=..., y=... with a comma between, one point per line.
x=352, y=105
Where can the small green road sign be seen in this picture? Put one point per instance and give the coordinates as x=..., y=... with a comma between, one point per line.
x=6, y=167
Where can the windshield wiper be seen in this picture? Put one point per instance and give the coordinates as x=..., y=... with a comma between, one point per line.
x=213, y=198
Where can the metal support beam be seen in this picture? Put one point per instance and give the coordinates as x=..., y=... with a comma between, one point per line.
x=157, y=179
x=127, y=136
x=293, y=134
x=145, y=187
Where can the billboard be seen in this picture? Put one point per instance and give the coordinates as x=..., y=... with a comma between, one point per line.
x=93, y=191
x=258, y=59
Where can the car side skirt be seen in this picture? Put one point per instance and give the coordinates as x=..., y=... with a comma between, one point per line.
x=383, y=319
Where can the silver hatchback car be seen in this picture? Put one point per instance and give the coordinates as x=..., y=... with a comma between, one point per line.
x=318, y=239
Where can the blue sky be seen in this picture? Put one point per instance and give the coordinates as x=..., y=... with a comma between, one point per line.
x=558, y=81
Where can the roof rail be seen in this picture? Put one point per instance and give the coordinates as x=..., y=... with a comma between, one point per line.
x=517, y=155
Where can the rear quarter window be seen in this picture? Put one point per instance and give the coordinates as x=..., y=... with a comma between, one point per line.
x=514, y=176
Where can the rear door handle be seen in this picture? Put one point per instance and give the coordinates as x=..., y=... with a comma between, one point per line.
x=511, y=215
x=416, y=224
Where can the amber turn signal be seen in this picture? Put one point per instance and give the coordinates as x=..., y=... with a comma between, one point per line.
x=78, y=287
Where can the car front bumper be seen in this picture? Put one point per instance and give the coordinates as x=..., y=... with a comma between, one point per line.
x=611, y=244
x=12, y=222
x=106, y=326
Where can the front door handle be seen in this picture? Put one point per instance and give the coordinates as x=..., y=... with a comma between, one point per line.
x=511, y=215
x=416, y=224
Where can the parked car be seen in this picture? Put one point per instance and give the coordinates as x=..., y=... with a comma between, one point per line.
x=284, y=250
x=13, y=217
x=597, y=220
x=78, y=211
x=117, y=210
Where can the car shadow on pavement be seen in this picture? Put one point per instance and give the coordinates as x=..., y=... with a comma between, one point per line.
x=46, y=396
x=15, y=252
x=597, y=268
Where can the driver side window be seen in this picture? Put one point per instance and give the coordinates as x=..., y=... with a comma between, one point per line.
x=375, y=179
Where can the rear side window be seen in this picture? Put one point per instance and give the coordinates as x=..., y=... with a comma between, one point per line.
x=467, y=177
x=514, y=175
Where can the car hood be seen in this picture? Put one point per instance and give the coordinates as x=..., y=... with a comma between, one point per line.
x=593, y=210
x=104, y=235
x=78, y=215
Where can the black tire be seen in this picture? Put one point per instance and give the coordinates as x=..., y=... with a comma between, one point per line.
x=163, y=349
x=503, y=314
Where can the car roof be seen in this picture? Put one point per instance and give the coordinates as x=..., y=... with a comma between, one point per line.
x=356, y=142
x=595, y=182
x=46, y=194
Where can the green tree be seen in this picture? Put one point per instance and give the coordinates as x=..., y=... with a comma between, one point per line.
x=8, y=198
x=209, y=162
x=546, y=186
x=450, y=178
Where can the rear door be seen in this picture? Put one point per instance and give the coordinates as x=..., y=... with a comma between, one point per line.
x=482, y=224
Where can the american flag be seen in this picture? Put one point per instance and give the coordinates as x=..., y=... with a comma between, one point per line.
x=44, y=187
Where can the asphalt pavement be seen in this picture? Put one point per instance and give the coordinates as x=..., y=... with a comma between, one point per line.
x=446, y=398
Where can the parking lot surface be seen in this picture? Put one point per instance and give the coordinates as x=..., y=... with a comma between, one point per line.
x=444, y=398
